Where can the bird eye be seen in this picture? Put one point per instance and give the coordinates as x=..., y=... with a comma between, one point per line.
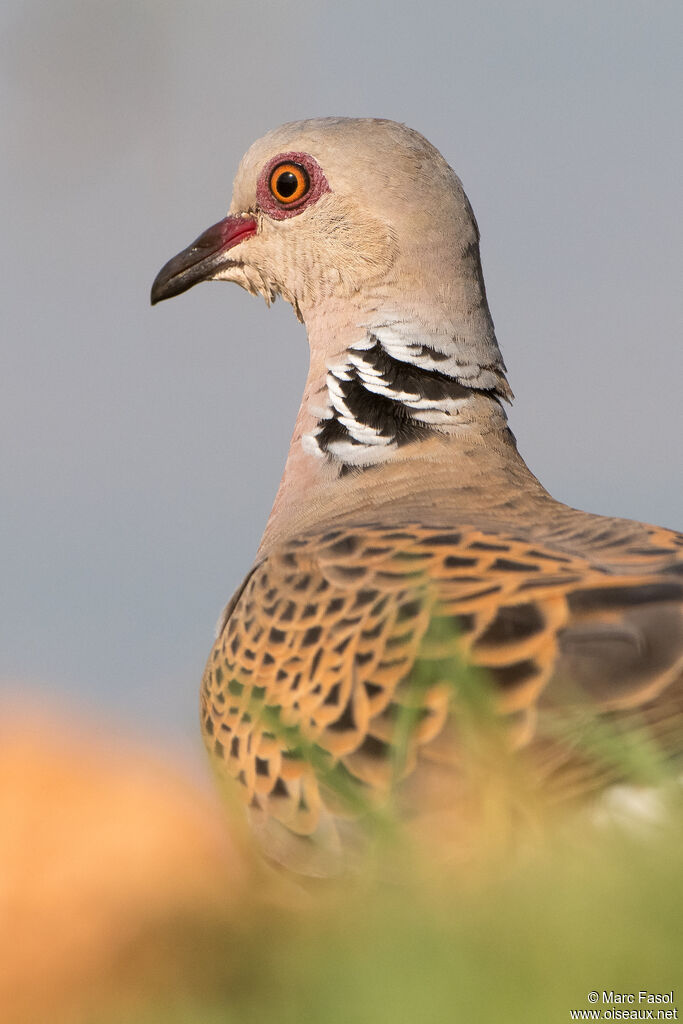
x=289, y=182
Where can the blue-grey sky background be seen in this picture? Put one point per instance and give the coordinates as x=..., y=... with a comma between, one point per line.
x=141, y=448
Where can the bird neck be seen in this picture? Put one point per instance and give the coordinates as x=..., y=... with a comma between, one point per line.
x=388, y=405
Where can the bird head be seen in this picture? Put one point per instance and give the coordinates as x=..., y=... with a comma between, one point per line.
x=357, y=220
x=331, y=207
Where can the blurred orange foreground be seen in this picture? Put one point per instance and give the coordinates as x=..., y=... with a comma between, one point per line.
x=99, y=841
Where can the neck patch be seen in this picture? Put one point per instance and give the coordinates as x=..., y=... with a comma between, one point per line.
x=389, y=391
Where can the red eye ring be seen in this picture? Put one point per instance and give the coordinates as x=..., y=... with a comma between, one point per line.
x=289, y=182
x=297, y=164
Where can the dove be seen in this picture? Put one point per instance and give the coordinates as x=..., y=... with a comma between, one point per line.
x=408, y=537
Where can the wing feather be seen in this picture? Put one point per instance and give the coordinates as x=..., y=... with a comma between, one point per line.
x=334, y=635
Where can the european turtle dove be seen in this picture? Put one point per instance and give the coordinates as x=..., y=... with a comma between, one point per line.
x=407, y=530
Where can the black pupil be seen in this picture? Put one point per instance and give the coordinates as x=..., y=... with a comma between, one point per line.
x=287, y=184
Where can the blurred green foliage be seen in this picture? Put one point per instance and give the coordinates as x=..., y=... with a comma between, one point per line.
x=595, y=910
x=520, y=931
x=521, y=934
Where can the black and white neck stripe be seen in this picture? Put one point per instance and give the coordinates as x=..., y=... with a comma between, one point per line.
x=390, y=391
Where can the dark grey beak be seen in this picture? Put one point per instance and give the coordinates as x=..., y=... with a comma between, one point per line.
x=203, y=258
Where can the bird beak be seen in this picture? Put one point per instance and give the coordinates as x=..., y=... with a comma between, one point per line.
x=203, y=259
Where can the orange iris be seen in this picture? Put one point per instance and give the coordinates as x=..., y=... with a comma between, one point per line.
x=288, y=182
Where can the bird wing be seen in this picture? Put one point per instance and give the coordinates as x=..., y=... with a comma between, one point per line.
x=335, y=634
